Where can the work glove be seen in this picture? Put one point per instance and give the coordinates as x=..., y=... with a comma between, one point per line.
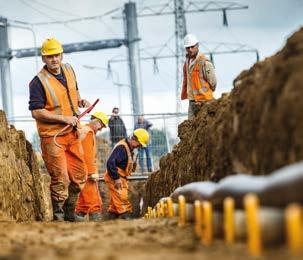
x=94, y=177
x=134, y=167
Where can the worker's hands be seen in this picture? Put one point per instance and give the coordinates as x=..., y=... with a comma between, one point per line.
x=70, y=120
x=118, y=184
x=94, y=177
x=83, y=103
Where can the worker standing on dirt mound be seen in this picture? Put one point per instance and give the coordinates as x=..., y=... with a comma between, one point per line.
x=89, y=201
x=120, y=165
x=199, y=79
x=54, y=101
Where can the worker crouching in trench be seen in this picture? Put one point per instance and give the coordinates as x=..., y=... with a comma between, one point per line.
x=119, y=166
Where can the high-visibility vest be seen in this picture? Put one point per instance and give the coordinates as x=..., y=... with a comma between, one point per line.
x=59, y=99
x=88, y=140
x=130, y=162
x=191, y=78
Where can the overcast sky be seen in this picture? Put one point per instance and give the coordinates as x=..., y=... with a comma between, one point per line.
x=265, y=25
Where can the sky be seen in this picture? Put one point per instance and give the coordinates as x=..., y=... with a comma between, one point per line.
x=264, y=26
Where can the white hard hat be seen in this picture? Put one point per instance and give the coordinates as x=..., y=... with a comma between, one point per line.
x=190, y=40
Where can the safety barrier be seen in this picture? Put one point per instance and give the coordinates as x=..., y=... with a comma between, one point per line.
x=263, y=210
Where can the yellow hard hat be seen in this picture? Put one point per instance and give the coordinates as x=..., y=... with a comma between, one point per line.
x=51, y=47
x=142, y=136
x=102, y=117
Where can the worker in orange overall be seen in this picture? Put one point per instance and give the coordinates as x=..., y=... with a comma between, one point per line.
x=89, y=201
x=54, y=102
x=199, y=79
x=119, y=166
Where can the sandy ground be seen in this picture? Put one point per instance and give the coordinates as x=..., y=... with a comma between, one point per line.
x=118, y=239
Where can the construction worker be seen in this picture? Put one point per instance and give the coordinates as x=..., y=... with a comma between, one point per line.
x=119, y=166
x=199, y=79
x=54, y=101
x=89, y=201
x=145, y=124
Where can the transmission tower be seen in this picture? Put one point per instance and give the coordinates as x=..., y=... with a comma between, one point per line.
x=180, y=32
x=179, y=8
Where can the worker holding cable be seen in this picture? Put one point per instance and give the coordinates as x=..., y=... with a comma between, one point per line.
x=120, y=165
x=54, y=101
x=90, y=201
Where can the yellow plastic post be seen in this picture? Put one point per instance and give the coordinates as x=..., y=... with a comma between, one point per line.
x=158, y=210
x=149, y=212
x=170, y=207
x=154, y=213
x=207, y=211
x=251, y=204
x=162, y=211
x=293, y=215
x=182, y=211
x=165, y=213
x=198, y=218
x=229, y=220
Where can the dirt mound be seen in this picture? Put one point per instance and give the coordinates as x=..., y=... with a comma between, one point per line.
x=115, y=240
x=22, y=192
x=255, y=129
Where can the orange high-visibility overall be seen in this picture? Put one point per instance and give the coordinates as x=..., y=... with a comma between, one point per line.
x=119, y=202
x=65, y=164
x=89, y=200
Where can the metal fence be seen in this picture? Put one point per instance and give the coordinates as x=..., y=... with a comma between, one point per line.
x=163, y=134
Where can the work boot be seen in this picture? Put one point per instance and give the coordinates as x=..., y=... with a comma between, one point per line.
x=126, y=215
x=58, y=213
x=94, y=216
x=80, y=215
x=69, y=208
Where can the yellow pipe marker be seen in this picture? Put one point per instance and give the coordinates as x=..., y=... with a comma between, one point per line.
x=170, y=207
x=207, y=211
x=198, y=218
x=154, y=213
x=165, y=210
x=251, y=204
x=158, y=206
x=294, y=227
x=182, y=211
x=162, y=211
x=149, y=212
x=229, y=220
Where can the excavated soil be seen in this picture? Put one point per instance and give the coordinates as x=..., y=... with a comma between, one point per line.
x=24, y=193
x=255, y=129
x=137, y=239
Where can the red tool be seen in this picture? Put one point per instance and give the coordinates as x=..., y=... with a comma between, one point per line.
x=79, y=117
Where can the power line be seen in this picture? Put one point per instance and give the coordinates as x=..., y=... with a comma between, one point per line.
x=55, y=21
x=55, y=9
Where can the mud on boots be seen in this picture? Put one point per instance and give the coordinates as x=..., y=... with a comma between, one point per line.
x=58, y=213
x=69, y=207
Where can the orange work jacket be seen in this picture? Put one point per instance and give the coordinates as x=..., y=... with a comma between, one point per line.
x=88, y=140
x=59, y=99
x=191, y=78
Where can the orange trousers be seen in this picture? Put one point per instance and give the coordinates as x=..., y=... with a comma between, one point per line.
x=89, y=199
x=65, y=165
x=118, y=202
